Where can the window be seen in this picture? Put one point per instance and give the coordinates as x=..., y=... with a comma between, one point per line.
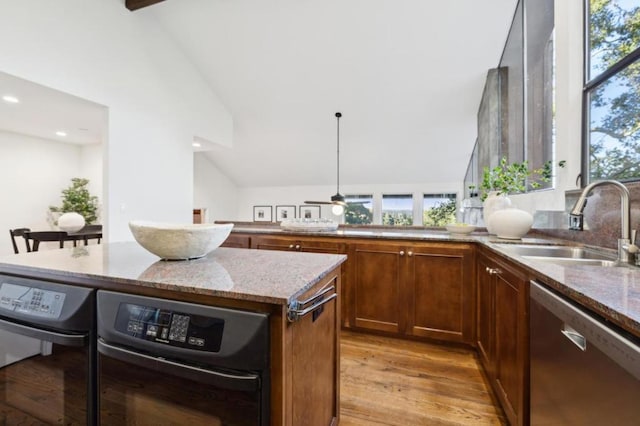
x=438, y=209
x=612, y=91
x=359, y=209
x=397, y=209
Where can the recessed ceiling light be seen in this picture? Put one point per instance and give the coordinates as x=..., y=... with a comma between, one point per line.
x=196, y=144
x=61, y=133
x=10, y=99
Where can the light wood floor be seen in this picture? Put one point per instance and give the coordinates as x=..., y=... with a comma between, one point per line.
x=386, y=381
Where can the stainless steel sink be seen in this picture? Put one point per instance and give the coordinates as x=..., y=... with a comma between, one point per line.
x=561, y=255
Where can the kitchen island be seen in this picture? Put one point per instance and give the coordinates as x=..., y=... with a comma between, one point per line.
x=301, y=340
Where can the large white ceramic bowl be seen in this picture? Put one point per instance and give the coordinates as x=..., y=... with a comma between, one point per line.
x=179, y=241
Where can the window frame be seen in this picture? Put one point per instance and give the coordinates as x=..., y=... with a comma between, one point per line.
x=589, y=86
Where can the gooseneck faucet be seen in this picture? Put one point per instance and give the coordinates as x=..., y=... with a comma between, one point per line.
x=576, y=217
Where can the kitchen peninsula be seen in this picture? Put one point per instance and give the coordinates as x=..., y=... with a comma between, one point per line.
x=301, y=340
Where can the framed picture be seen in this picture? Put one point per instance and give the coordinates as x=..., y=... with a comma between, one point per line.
x=309, y=212
x=285, y=212
x=262, y=213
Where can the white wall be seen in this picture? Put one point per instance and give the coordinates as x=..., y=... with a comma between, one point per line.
x=33, y=173
x=296, y=195
x=213, y=190
x=157, y=102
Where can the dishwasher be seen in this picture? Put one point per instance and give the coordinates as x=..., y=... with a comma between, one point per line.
x=166, y=362
x=583, y=371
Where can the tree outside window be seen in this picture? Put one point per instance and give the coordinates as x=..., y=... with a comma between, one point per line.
x=438, y=209
x=612, y=90
x=359, y=209
x=397, y=209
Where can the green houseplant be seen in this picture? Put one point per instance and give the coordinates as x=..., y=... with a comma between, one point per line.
x=514, y=178
x=77, y=198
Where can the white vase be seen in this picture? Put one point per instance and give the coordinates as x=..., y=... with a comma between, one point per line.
x=492, y=204
x=71, y=222
x=511, y=223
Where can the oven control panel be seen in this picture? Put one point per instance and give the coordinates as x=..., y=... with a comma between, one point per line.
x=169, y=327
x=31, y=301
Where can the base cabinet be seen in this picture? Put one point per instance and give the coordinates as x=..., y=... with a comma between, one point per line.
x=420, y=290
x=502, y=333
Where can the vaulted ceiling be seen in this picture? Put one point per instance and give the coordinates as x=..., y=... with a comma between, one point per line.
x=407, y=76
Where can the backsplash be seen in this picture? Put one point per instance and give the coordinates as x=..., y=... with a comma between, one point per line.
x=601, y=217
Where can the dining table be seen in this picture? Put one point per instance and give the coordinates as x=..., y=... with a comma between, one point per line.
x=89, y=232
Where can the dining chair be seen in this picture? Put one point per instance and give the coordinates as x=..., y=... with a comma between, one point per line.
x=18, y=232
x=40, y=236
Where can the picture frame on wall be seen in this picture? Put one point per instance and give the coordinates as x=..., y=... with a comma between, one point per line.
x=309, y=211
x=285, y=212
x=262, y=213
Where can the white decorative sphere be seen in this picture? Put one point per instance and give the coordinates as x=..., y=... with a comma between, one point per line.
x=71, y=222
x=511, y=223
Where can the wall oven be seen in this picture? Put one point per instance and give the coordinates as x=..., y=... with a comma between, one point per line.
x=47, y=353
x=168, y=362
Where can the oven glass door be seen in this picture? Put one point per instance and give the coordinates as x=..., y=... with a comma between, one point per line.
x=42, y=382
x=131, y=394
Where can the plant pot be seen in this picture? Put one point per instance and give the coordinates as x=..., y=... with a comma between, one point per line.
x=511, y=223
x=71, y=222
x=492, y=204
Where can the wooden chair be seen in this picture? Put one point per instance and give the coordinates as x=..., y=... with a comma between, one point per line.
x=39, y=237
x=19, y=232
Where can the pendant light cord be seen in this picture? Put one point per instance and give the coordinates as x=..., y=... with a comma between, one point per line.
x=338, y=115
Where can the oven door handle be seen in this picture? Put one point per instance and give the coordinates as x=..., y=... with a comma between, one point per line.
x=76, y=340
x=223, y=379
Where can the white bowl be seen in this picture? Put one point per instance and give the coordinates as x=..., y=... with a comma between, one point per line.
x=460, y=228
x=179, y=242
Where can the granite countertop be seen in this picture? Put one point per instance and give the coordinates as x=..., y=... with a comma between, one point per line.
x=255, y=275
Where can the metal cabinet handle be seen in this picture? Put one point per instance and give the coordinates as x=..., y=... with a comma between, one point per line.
x=409, y=253
x=493, y=271
x=576, y=338
x=297, y=309
x=297, y=246
x=291, y=246
x=401, y=253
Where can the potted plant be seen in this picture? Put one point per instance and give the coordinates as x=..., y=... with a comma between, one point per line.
x=76, y=199
x=511, y=178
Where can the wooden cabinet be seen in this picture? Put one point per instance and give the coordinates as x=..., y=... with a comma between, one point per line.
x=420, y=289
x=237, y=241
x=294, y=243
x=502, y=333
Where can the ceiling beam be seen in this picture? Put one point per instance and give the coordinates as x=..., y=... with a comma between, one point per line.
x=139, y=4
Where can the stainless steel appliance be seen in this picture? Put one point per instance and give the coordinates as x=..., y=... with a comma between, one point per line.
x=168, y=362
x=47, y=353
x=583, y=370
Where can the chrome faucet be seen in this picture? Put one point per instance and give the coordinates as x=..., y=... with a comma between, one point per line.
x=576, y=217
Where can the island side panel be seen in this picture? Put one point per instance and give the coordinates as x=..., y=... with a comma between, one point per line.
x=312, y=358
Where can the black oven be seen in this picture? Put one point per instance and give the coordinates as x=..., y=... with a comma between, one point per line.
x=47, y=353
x=166, y=362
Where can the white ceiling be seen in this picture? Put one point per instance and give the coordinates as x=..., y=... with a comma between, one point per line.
x=43, y=111
x=407, y=76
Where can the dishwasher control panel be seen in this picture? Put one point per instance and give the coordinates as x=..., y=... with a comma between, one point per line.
x=169, y=327
x=31, y=301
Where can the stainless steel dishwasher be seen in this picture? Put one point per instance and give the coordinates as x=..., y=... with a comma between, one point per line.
x=583, y=370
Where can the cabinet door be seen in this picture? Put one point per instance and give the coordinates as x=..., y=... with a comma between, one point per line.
x=439, y=289
x=511, y=342
x=315, y=246
x=274, y=243
x=485, y=331
x=374, y=287
x=237, y=241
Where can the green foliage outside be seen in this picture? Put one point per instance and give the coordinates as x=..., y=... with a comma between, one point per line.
x=397, y=218
x=357, y=214
x=76, y=198
x=441, y=214
x=614, y=151
x=515, y=178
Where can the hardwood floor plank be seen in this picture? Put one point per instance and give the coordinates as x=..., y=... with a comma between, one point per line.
x=387, y=381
